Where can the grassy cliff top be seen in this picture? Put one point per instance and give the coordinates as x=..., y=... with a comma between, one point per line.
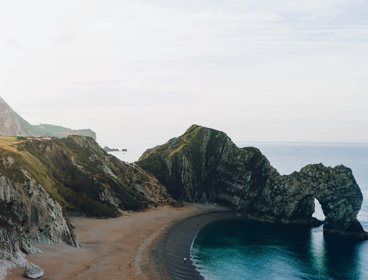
x=192, y=137
x=77, y=173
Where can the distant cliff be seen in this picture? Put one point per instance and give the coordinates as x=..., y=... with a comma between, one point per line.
x=205, y=165
x=108, y=149
x=11, y=124
x=44, y=179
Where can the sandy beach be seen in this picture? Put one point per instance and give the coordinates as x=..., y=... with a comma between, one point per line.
x=119, y=248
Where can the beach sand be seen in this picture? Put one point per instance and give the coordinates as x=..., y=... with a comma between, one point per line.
x=127, y=247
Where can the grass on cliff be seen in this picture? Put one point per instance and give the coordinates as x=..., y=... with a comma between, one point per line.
x=9, y=146
x=9, y=143
x=203, y=150
x=189, y=137
x=75, y=190
x=190, y=145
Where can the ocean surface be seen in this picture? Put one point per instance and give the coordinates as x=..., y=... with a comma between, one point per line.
x=238, y=249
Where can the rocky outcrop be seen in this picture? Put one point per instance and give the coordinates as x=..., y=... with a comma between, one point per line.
x=43, y=179
x=11, y=124
x=291, y=197
x=205, y=165
x=108, y=149
x=82, y=177
x=34, y=211
x=11, y=239
x=27, y=212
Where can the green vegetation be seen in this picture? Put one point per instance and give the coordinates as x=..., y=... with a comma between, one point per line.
x=60, y=132
x=71, y=170
x=202, y=161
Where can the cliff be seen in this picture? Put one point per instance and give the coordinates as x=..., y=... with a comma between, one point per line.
x=60, y=131
x=11, y=124
x=43, y=179
x=205, y=165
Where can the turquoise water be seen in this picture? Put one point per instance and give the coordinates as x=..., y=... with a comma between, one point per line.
x=238, y=249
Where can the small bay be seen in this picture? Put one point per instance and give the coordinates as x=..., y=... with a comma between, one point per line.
x=241, y=249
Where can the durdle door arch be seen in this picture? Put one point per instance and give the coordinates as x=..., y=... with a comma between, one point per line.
x=335, y=189
x=204, y=165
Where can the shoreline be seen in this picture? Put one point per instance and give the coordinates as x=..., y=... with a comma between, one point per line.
x=114, y=248
x=175, y=244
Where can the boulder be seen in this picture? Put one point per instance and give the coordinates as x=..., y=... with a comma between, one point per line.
x=33, y=272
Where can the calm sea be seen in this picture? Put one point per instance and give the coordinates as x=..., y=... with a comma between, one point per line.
x=238, y=249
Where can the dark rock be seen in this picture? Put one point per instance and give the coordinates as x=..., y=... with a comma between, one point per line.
x=205, y=165
x=108, y=149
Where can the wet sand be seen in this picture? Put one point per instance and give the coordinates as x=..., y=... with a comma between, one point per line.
x=175, y=245
x=126, y=247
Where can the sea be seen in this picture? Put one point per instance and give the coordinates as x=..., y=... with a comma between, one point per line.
x=239, y=249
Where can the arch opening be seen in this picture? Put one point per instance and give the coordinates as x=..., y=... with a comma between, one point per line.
x=318, y=212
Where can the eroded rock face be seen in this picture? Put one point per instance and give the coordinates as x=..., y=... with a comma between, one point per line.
x=205, y=165
x=292, y=197
x=10, y=241
x=34, y=211
x=92, y=182
x=28, y=213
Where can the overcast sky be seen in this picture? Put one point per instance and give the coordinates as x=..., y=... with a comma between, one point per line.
x=140, y=72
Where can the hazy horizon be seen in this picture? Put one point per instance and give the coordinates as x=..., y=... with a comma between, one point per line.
x=141, y=72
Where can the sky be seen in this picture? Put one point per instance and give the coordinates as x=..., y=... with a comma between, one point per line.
x=141, y=72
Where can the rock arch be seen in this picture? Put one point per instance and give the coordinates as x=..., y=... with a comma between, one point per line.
x=204, y=164
x=334, y=188
x=339, y=195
